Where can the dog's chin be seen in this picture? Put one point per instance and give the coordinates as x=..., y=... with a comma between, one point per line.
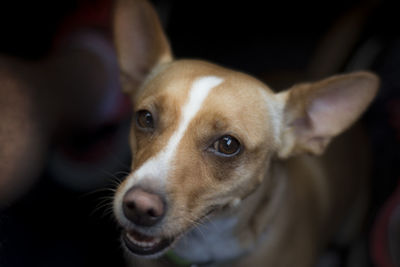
x=146, y=246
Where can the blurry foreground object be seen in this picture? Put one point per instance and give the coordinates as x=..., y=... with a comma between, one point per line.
x=68, y=102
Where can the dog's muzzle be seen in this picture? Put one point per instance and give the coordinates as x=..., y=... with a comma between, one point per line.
x=144, y=209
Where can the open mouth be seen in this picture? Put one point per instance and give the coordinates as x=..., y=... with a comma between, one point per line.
x=151, y=246
x=143, y=245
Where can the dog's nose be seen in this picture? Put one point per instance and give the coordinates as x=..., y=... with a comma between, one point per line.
x=142, y=207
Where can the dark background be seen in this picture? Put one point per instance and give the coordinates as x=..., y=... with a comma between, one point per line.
x=276, y=41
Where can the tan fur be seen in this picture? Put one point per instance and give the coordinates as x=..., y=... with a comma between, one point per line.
x=287, y=203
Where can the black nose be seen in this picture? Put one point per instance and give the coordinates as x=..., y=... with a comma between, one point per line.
x=143, y=208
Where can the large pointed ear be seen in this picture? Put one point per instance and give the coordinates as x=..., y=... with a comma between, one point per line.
x=140, y=41
x=316, y=112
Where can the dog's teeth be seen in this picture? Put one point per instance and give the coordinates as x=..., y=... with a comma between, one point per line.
x=144, y=244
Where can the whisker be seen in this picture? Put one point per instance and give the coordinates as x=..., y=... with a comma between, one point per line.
x=197, y=224
x=97, y=191
x=105, y=204
x=100, y=206
x=114, y=178
x=125, y=173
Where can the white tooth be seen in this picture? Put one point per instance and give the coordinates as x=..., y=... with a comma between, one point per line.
x=143, y=243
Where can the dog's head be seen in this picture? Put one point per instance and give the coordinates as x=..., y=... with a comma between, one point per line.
x=203, y=136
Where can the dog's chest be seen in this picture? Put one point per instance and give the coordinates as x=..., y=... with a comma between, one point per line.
x=213, y=241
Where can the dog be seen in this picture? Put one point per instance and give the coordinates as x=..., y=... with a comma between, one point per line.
x=225, y=171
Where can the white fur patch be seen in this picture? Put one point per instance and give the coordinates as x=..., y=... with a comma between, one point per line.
x=158, y=167
x=198, y=93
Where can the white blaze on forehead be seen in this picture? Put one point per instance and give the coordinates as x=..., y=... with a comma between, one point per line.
x=157, y=167
x=198, y=93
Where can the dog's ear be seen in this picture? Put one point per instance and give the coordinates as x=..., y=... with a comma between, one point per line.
x=316, y=112
x=140, y=41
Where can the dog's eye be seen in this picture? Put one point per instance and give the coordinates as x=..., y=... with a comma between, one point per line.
x=144, y=119
x=227, y=145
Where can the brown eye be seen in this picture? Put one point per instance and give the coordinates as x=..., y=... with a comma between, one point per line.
x=227, y=145
x=144, y=119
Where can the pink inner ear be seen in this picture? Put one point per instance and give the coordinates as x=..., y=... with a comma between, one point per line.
x=319, y=111
x=333, y=110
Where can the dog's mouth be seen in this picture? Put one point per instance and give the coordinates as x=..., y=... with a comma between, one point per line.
x=143, y=245
x=152, y=246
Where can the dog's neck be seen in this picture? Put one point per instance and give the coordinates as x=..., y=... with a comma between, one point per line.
x=237, y=230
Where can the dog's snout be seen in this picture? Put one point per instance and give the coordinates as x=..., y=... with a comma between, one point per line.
x=142, y=207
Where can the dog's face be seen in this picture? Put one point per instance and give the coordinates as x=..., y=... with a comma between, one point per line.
x=201, y=138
